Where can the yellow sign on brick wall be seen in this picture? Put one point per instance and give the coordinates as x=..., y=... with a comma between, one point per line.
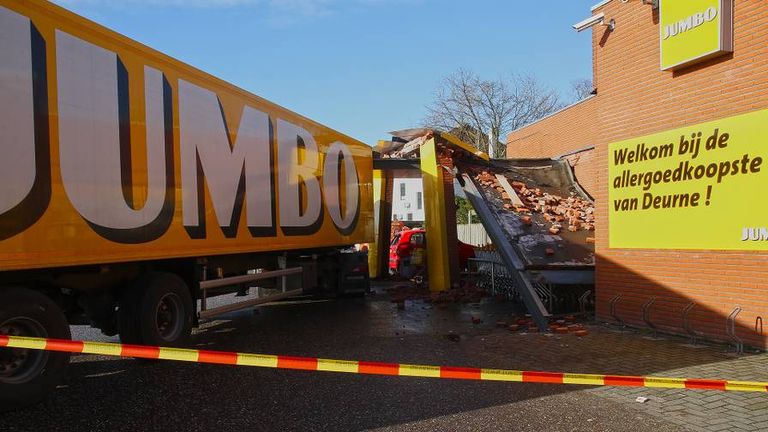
x=698, y=187
x=693, y=31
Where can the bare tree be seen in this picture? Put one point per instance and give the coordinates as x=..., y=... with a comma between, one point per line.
x=482, y=111
x=581, y=89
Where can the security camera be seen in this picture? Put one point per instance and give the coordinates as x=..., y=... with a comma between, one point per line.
x=592, y=21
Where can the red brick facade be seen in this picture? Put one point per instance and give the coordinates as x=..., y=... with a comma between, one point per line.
x=635, y=98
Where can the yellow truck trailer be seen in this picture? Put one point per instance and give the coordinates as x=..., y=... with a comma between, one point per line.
x=134, y=187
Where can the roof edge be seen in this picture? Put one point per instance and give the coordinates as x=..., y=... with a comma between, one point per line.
x=552, y=114
x=599, y=5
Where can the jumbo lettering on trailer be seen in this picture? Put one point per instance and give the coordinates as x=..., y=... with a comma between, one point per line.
x=134, y=187
x=141, y=151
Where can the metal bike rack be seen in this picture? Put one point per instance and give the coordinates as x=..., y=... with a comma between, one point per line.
x=583, y=299
x=730, y=329
x=687, y=323
x=647, y=315
x=614, y=302
x=492, y=265
x=759, y=320
x=545, y=292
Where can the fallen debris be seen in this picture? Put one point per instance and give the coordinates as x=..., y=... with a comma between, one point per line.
x=557, y=326
x=578, y=213
x=467, y=293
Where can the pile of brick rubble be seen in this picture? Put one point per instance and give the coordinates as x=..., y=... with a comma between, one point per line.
x=571, y=213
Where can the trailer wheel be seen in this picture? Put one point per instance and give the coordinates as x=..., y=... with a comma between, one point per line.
x=156, y=310
x=27, y=376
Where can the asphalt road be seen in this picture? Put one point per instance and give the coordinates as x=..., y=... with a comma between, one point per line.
x=113, y=394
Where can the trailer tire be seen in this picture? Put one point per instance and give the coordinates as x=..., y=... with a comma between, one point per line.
x=28, y=376
x=156, y=310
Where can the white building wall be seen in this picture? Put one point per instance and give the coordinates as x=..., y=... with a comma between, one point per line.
x=408, y=200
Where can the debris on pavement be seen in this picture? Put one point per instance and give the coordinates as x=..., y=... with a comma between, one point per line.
x=467, y=293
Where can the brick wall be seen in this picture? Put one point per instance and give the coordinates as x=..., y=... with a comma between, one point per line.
x=635, y=98
x=555, y=136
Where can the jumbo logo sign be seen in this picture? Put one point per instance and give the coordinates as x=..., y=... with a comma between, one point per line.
x=694, y=31
x=94, y=121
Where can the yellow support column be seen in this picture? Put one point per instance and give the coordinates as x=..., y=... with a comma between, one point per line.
x=438, y=264
x=373, y=248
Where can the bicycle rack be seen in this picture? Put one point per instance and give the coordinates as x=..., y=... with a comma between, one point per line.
x=544, y=291
x=614, y=301
x=759, y=320
x=584, y=298
x=730, y=329
x=647, y=315
x=687, y=323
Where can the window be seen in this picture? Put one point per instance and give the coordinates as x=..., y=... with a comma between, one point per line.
x=418, y=200
x=402, y=190
x=410, y=216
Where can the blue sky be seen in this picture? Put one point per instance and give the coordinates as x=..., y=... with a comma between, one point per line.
x=363, y=67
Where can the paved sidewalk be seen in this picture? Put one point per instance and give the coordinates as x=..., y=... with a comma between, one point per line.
x=619, y=351
x=118, y=394
x=609, y=351
x=695, y=409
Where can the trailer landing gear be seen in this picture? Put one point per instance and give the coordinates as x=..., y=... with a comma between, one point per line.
x=26, y=376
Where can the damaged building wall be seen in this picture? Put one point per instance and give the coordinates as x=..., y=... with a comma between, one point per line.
x=636, y=98
x=555, y=136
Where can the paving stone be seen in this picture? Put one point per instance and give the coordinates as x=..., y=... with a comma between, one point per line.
x=718, y=427
x=630, y=354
